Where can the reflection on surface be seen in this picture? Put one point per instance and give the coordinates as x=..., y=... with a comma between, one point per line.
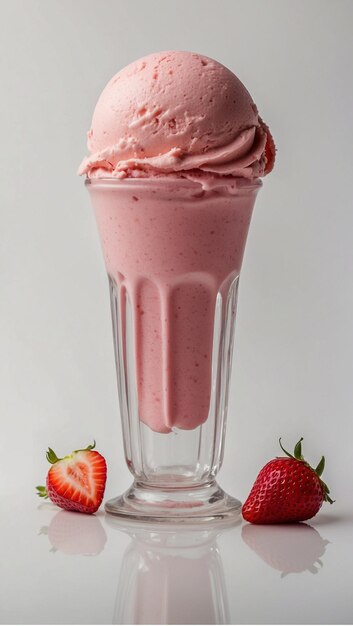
x=172, y=576
x=75, y=533
x=291, y=548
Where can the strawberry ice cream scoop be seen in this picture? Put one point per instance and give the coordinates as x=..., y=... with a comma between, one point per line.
x=177, y=113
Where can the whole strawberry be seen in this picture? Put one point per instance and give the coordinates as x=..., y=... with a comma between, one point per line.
x=287, y=490
x=76, y=482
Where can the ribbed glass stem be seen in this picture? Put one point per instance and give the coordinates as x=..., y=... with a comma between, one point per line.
x=180, y=457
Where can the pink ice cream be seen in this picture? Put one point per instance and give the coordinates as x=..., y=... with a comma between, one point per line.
x=177, y=112
x=176, y=149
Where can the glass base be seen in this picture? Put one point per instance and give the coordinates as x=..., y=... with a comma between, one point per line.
x=184, y=505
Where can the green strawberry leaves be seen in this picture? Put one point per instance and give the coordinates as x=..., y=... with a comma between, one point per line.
x=298, y=456
x=51, y=456
x=298, y=450
x=42, y=491
x=320, y=467
x=90, y=447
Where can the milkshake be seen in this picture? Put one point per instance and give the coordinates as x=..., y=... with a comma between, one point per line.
x=177, y=148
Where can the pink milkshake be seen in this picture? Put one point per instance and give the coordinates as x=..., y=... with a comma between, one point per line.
x=176, y=151
x=171, y=248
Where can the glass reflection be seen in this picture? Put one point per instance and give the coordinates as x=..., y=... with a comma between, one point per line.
x=75, y=533
x=171, y=576
x=288, y=548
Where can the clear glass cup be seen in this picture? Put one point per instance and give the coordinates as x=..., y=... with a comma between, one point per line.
x=173, y=254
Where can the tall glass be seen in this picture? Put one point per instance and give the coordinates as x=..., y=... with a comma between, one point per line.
x=173, y=254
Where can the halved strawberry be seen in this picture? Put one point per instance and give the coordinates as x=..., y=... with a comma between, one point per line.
x=76, y=482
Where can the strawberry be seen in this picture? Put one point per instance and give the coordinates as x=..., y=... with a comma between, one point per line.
x=76, y=482
x=287, y=490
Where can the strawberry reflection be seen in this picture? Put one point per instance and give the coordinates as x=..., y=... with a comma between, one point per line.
x=172, y=576
x=75, y=533
x=288, y=548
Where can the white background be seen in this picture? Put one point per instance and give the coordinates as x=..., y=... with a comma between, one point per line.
x=293, y=364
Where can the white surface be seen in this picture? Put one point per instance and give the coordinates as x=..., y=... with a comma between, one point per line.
x=293, y=358
x=66, y=568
